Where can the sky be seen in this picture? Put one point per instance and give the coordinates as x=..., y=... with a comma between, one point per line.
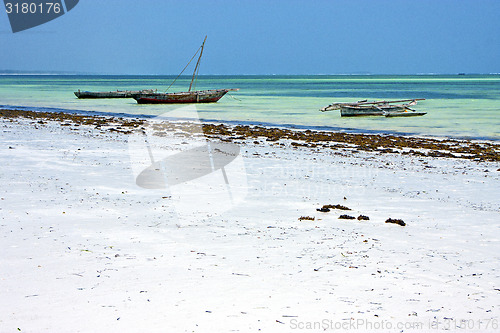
x=262, y=37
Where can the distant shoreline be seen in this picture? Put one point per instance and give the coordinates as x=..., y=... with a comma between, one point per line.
x=21, y=73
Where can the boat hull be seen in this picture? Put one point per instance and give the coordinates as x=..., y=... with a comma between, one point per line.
x=369, y=110
x=205, y=96
x=111, y=94
x=405, y=114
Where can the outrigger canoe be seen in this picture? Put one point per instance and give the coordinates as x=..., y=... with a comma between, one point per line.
x=377, y=108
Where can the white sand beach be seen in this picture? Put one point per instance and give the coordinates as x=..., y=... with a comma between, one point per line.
x=85, y=249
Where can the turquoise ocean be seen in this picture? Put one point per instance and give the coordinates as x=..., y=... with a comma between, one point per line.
x=457, y=106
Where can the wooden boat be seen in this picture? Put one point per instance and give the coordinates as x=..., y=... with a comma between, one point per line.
x=376, y=108
x=190, y=96
x=112, y=94
x=199, y=96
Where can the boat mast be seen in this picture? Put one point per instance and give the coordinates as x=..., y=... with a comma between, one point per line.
x=197, y=63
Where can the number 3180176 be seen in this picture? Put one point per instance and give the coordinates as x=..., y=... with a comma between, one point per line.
x=33, y=8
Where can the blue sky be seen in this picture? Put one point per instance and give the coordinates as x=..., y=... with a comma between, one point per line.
x=262, y=37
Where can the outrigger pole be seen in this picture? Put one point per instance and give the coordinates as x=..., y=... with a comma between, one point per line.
x=336, y=106
x=386, y=102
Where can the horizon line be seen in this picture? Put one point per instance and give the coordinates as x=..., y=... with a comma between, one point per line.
x=38, y=72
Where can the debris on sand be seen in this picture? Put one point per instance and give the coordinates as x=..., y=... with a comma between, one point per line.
x=396, y=221
x=336, y=207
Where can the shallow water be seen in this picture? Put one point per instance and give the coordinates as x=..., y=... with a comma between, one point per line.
x=456, y=105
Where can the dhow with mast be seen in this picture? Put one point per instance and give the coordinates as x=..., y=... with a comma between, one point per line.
x=190, y=96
